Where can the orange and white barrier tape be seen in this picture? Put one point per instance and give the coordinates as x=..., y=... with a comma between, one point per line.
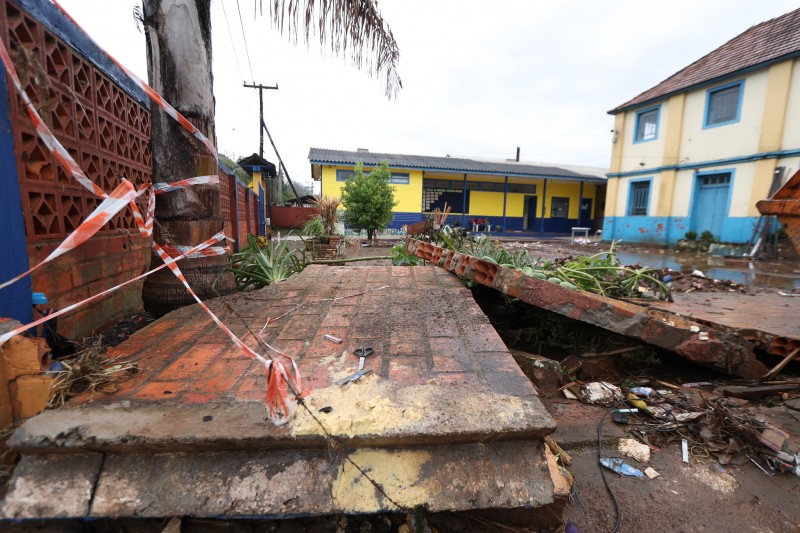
x=157, y=98
x=145, y=224
x=4, y=337
x=161, y=188
x=281, y=404
x=175, y=250
x=113, y=204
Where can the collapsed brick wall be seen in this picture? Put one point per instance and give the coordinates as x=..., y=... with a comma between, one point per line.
x=108, y=133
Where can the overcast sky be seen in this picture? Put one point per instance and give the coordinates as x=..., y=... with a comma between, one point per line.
x=479, y=78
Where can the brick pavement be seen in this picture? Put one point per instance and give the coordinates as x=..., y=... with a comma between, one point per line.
x=424, y=325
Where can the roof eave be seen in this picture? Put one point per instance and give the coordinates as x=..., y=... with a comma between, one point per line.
x=593, y=179
x=704, y=83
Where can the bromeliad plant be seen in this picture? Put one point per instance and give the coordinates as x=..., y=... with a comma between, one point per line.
x=263, y=263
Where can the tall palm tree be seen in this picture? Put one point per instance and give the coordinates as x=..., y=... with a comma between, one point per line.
x=179, y=68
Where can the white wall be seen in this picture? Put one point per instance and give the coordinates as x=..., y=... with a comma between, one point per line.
x=730, y=140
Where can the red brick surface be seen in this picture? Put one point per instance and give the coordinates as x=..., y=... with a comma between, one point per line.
x=291, y=217
x=421, y=322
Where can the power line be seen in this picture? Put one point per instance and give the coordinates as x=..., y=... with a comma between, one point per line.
x=233, y=46
x=244, y=36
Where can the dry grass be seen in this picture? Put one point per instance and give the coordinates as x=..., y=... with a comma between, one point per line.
x=89, y=371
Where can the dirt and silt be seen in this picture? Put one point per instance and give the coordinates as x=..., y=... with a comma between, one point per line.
x=704, y=494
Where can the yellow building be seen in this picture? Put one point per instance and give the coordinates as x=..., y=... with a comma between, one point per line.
x=698, y=150
x=260, y=170
x=508, y=196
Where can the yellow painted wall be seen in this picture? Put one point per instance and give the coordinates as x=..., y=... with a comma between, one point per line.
x=409, y=197
x=791, y=130
x=562, y=189
x=612, y=209
x=482, y=203
x=256, y=181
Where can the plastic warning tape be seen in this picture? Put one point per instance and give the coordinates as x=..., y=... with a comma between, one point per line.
x=113, y=204
x=4, y=337
x=157, y=98
x=161, y=188
x=145, y=224
x=175, y=250
x=44, y=132
x=281, y=403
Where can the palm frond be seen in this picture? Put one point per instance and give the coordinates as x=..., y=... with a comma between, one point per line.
x=352, y=28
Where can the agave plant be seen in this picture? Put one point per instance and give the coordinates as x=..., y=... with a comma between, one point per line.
x=262, y=264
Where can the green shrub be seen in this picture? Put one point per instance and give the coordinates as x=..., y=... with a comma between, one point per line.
x=707, y=237
x=690, y=235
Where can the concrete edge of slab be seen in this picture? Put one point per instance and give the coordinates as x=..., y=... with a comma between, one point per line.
x=280, y=484
x=438, y=416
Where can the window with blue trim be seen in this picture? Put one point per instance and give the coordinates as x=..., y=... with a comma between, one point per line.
x=646, y=125
x=639, y=198
x=398, y=178
x=723, y=104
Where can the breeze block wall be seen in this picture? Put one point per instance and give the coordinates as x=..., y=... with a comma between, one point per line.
x=105, y=126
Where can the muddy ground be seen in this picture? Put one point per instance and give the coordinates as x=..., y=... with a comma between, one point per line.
x=700, y=496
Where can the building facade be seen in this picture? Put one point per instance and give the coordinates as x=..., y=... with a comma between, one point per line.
x=505, y=197
x=697, y=151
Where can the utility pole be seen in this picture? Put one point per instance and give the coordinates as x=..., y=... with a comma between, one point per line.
x=261, y=110
x=263, y=127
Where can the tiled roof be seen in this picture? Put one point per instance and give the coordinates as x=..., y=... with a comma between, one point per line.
x=446, y=164
x=764, y=43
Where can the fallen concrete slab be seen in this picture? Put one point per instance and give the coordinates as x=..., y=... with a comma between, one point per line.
x=721, y=350
x=446, y=419
x=277, y=484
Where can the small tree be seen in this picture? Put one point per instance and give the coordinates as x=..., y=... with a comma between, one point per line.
x=368, y=199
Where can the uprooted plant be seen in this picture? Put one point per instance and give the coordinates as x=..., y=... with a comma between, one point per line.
x=262, y=263
x=601, y=273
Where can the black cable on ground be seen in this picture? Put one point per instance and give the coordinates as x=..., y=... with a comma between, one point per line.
x=600, y=455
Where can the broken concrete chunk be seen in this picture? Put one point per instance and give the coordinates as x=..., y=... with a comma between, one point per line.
x=651, y=472
x=634, y=449
x=601, y=393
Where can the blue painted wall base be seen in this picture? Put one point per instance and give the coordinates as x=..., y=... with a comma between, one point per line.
x=669, y=230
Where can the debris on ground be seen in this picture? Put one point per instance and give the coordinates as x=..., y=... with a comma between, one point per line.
x=651, y=472
x=621, y=467
x=634, y=449
x=601, y=393
x=90, y=370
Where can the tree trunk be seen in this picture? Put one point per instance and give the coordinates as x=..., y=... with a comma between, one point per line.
x=179, y=68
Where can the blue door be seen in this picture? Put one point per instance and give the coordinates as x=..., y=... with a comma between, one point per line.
x=711, y=203
x=262, y=222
